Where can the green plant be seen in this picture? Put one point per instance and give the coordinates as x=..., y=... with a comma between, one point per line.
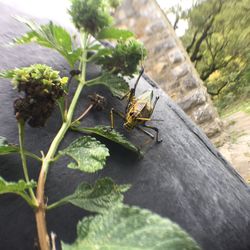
x=217, y=41
x=43, y=88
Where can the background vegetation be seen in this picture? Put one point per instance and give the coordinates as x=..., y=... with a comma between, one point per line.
x=218, y=42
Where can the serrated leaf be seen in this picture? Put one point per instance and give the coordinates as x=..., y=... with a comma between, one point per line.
x=50, y=36
x=112, y=135
x=130, y=228
x=100, y=52
x=6, y=148
x=99, y=197
x=114, y=33
x=116, y=84
x=104, y=52
x=90, y=155
x=7, y=74
x=15, y=187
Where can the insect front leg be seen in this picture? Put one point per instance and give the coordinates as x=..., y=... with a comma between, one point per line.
x=156, y=130
x=156, y=100
x=112, y=112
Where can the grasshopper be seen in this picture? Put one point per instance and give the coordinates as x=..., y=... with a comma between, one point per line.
x=138, y=111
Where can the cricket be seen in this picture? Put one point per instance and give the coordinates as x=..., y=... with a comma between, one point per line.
x=138, y=111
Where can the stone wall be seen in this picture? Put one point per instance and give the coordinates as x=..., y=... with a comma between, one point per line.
x=168, y=63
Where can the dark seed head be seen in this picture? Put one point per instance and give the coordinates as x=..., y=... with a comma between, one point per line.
x=41, y=87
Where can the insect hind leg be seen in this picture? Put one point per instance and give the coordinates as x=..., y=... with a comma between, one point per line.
x=156, y=130
x=145, y=132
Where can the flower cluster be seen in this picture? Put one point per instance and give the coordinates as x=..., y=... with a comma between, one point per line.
x=124, y=58
x=91, y=15
x=41, y=87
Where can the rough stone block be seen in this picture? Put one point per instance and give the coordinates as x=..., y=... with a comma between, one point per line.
x=165, y=45
x=175, y=56
x=180, y=70
x=203, y=113
x=174, y=87
x=159, y=67
x=190, y=81
x=154, y=28
x=211, y=129
x=195, y=98
x=126, y=9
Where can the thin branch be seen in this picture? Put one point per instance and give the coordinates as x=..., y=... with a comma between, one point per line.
x=85, y=112
x=203, y=36
x=176, y=22
x=23, y=157
x=219, y=90
x=205, y=33
x=224, y=85
x=56, y=204
x=189, y=47
x=26, y=198
x=216, y=67
x=31, y=155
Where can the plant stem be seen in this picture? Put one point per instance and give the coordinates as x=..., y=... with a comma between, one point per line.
x=80, y=130
x=98, y=79
x=23, y=157
x=31, y=155
x=56, y=204
x=95, y=80
x=40, y=211
x=26, y=197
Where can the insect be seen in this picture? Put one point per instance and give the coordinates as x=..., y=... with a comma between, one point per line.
x=138, y=111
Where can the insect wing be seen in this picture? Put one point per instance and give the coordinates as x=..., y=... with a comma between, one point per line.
x=145, y=100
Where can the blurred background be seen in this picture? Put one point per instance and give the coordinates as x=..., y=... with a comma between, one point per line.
x=198, y=52
x=217, y=39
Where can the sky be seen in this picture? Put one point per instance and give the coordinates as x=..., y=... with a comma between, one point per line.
x=185, y=4
x=46, y=9
x=169, y=3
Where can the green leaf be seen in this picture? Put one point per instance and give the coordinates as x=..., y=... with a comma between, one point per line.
x=95, y=47
x=18, y=188
x=7, y=74
x=114, y=33
x=124, y=58
x=6, y=148
x=51, y=36
x=116, y=84
x=15, y=187
x=130, y=228
x=89, y=154
x=112, y=135
x=99, y=197
x=99, y=52
x=103, y=51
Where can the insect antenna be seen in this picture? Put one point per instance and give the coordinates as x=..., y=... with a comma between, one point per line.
x=138, y=79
